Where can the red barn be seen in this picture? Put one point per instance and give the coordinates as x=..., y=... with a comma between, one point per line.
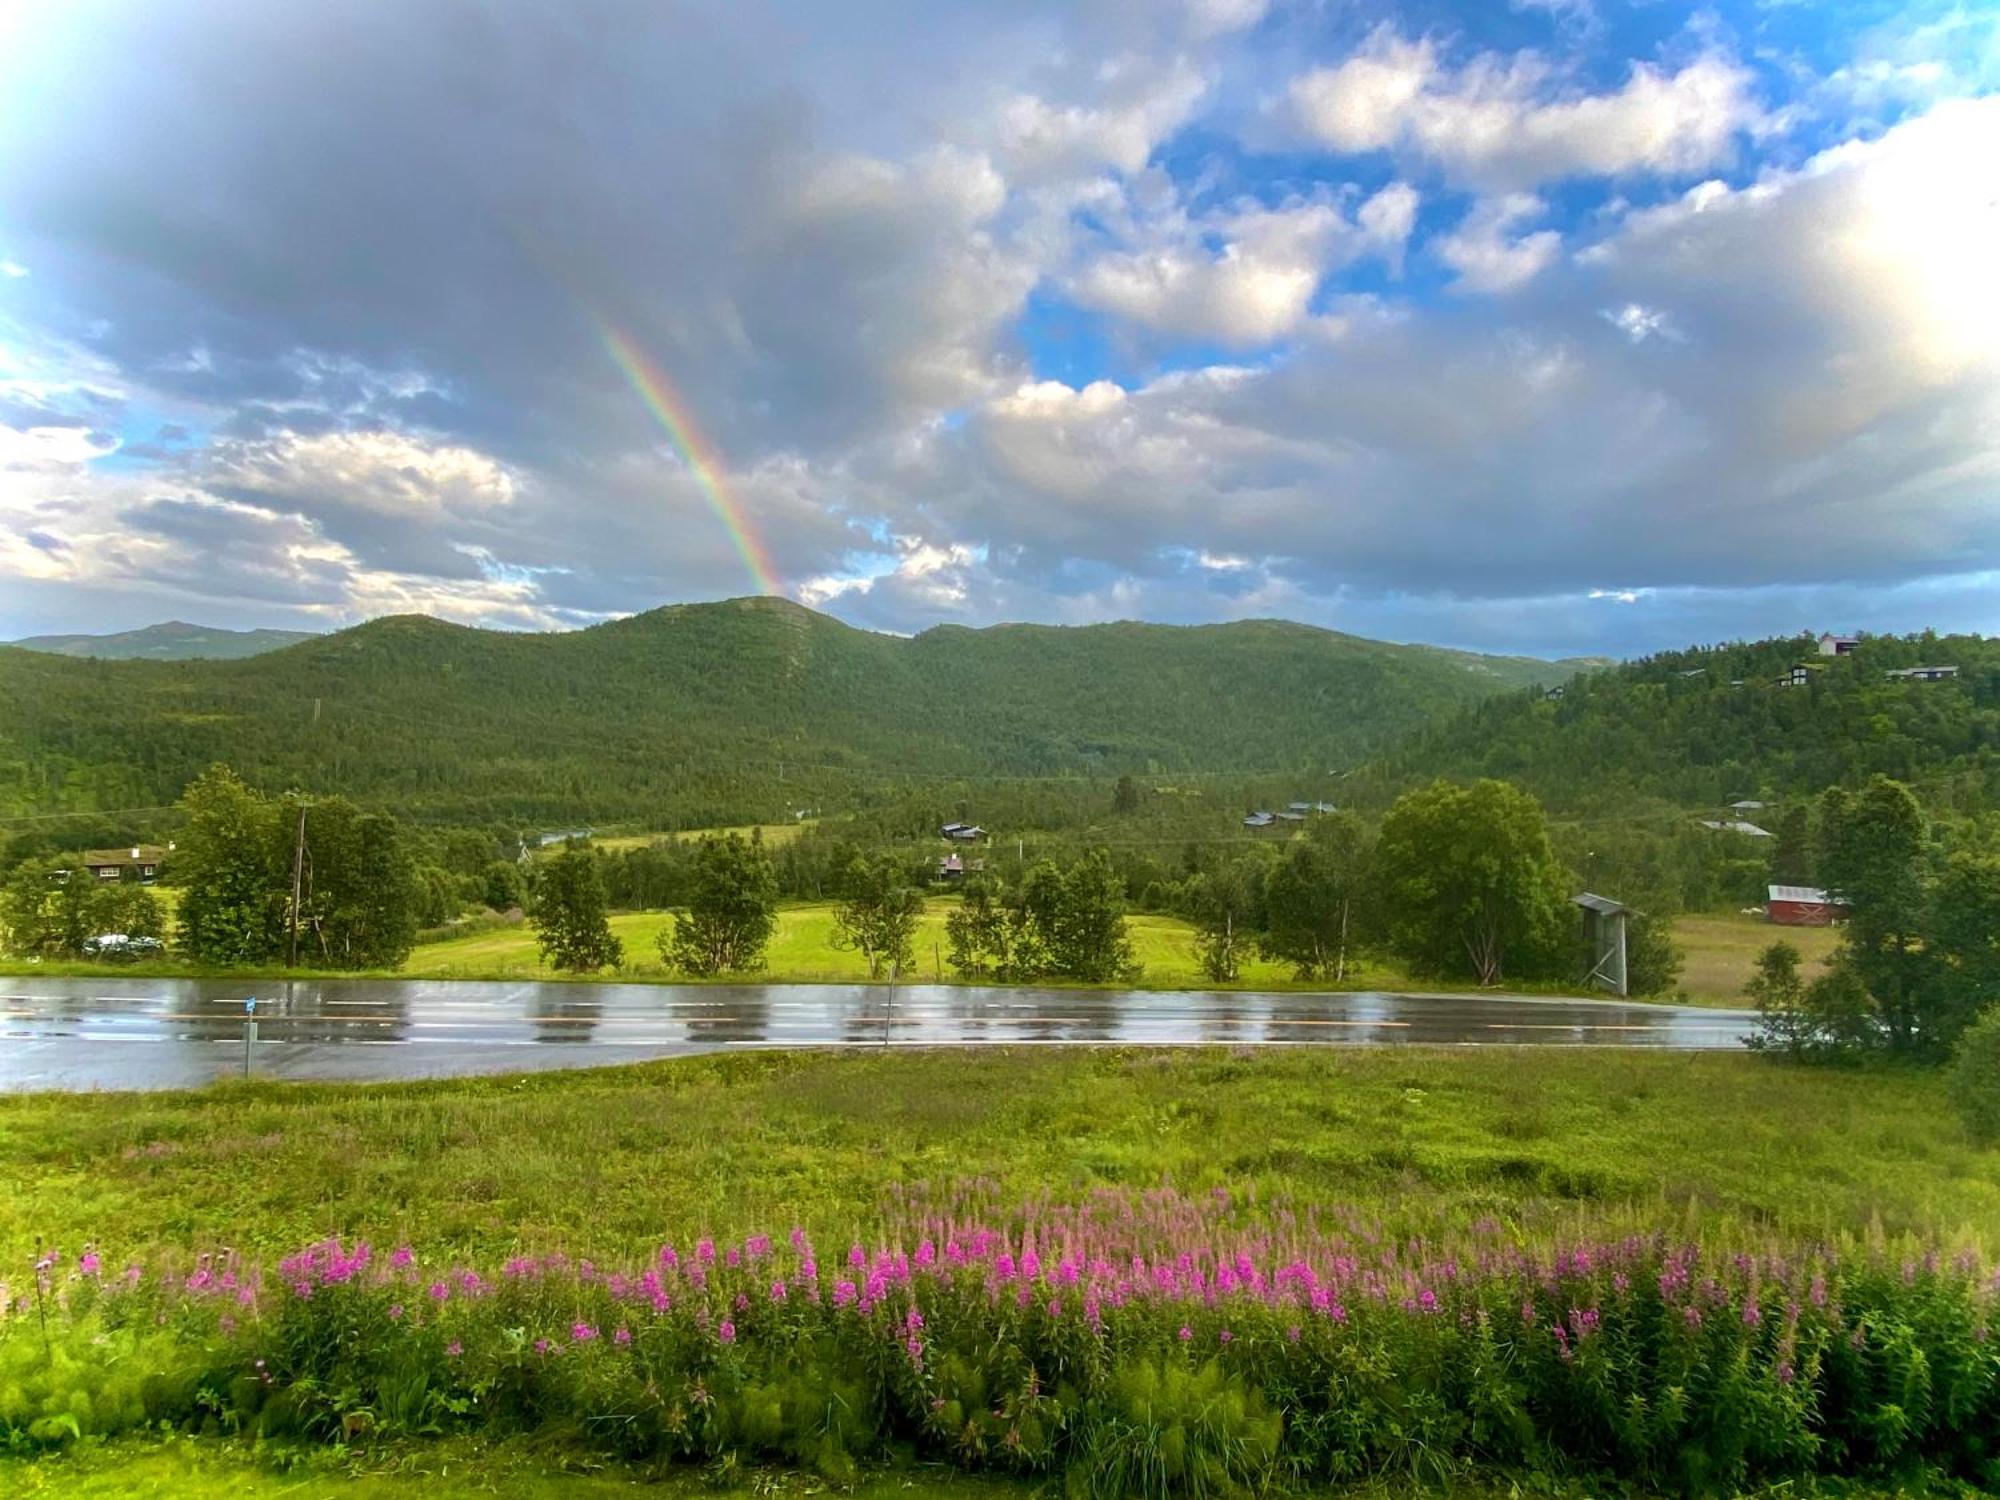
x=1803, y=906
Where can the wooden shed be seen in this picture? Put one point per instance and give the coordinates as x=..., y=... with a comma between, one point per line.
x=1604, y=932
x=1802, y=906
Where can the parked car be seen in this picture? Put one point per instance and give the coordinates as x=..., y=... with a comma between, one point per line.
x=120, y=945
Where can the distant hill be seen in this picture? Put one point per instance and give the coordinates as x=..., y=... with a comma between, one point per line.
x=1677, y=729
x=175, y=640
x=715, y=710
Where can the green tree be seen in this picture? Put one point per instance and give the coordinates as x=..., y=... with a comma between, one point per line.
x=361, y=896
x=731, y=912
x=1469, y=883
x=233, y=881
x=1791, y=849
x=980, y=934
x=1224, y=903
x=504, y=889
x=569, y=915
x=1313, y=897
x=1077, y=921
x=878, y=919
x=1125, y=798
x=45, y=909
x=1652, y=958
x=1827, y=1020
x=1873, y=847
x=1962, y=940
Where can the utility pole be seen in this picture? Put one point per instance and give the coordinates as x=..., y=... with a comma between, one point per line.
x=298, y=876
x=889, y=1004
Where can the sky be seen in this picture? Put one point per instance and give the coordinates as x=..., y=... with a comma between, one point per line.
x=1555, y=327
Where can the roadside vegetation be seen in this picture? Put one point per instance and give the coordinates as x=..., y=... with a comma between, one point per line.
x=1409, y=1159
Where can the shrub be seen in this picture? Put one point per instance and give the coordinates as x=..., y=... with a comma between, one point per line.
x=1975, y=1076
x=1160, y=1346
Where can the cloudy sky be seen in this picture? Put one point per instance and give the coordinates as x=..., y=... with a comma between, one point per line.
x=1570, y=325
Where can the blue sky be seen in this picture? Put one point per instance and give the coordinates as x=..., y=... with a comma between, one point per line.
x=1556, y=326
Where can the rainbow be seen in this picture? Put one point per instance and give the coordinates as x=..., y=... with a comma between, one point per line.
x=701, y=456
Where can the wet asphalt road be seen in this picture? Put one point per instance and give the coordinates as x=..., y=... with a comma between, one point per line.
x=170, y=1033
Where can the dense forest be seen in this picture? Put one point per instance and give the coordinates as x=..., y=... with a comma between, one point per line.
x=701, y=714
x=1707, y=727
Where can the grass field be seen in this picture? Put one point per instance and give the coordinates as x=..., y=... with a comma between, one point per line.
x=614, y=1159
x=1721, y=953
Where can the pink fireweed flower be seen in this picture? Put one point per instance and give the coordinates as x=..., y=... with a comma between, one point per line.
x=582, y=1333
x=778, y=1290
x=1228, y=1337
x=1186, y=1333
x=757, y=1246
x=395, y=1311
x=439, y=1292
x=726, y=1332
x=1292, y=1333
x=453, y=1349
x=402, y=1256
x=622, y=1337
x=1751, y=1315
x=843, y=1293
x=704, y=1251
x=88, y=1263
x=732, y=1258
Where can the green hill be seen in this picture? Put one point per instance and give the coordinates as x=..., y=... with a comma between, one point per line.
x=175, y=640
x=1677, y=729
x=718, y=710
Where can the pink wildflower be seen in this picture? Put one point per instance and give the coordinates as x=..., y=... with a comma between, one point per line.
x=727, y=1332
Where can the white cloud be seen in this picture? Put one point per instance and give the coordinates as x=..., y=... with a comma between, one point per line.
x=1243, y=276
x=12, y=270
x=382, y=472
x=1639, y=323
x=1140, y=103
x=1515, y=122
x=1485, y=252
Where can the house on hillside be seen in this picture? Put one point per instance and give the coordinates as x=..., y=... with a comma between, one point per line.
x=1838, y=645
x=1260, y=820
x=140, y=862
x=1922, y=674
x=955, y=866
x=962, y=833
x=550, y=840
x=1799, y=675
x=1552, y=694
x=1747, y=804
x=1736, y=825
x=1802, y=906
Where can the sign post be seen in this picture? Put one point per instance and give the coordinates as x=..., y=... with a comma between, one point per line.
x=249, y=1031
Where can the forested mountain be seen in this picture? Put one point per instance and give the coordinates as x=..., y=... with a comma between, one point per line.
x=713, y=711
x=1678, y=729
x=175, y=640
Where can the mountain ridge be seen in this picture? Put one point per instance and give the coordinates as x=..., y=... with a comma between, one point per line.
x=169, y=640
x=681, y=711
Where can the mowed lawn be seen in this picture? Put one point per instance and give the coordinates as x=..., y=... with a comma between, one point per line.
x=802, y=950
x=608, y=1162
x=1721, y=953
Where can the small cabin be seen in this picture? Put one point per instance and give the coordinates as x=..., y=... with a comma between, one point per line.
x=141, y=862
x=1838, y=645
x=962, y=833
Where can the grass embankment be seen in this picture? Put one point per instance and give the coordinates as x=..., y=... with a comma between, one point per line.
x=610, y=1161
